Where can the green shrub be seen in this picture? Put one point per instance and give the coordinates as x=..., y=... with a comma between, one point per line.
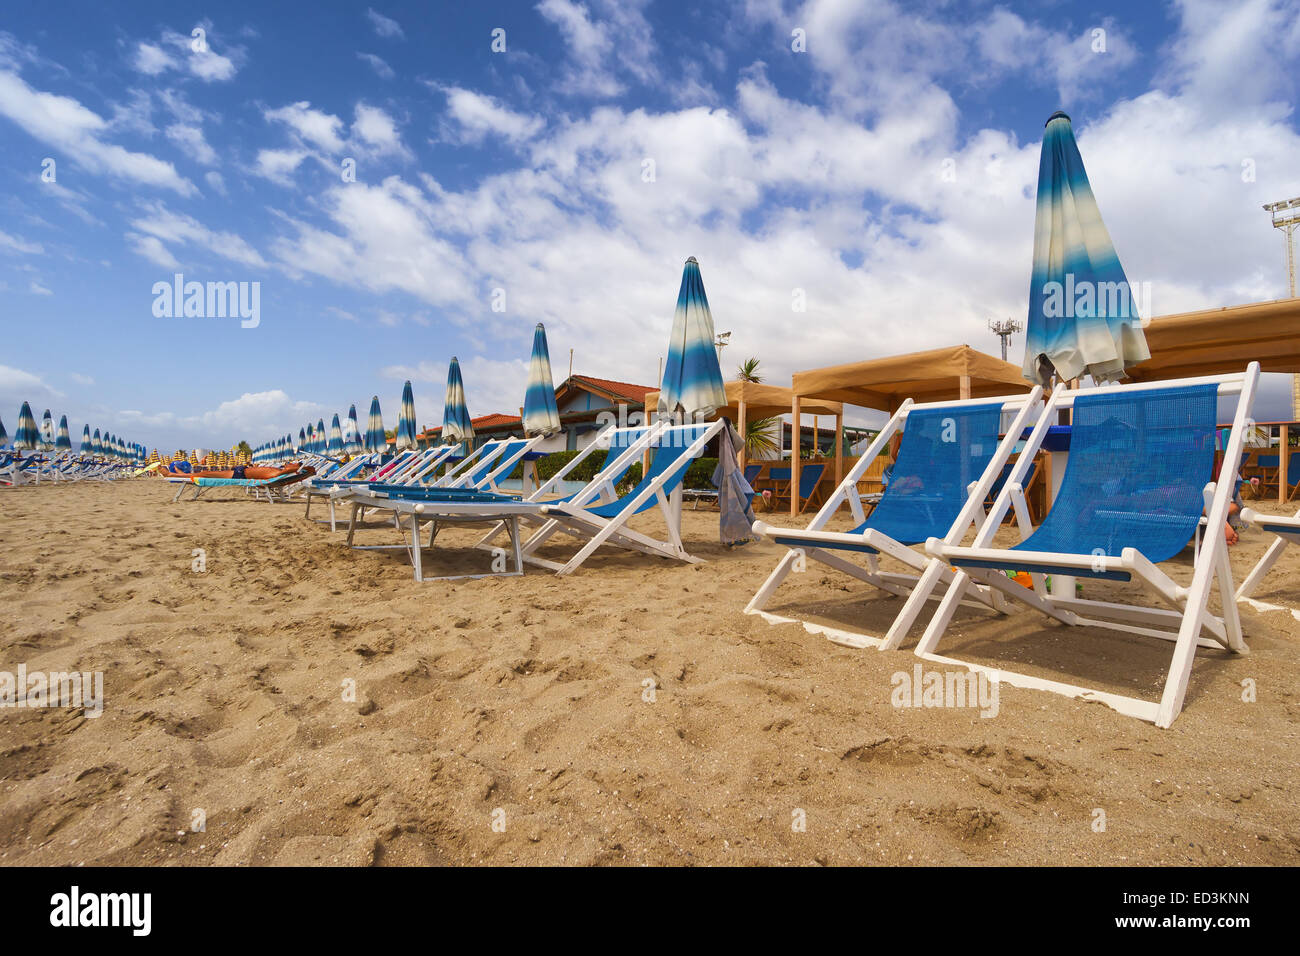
x=698, y=475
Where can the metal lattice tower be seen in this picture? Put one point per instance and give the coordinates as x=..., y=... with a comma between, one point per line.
x=1004, y=331
x=1286, y=216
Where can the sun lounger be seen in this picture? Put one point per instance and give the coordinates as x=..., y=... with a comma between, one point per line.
x=275, y=489
x=585, y=516
x=1131, y=498
x=1287, y=531
x=949, y=457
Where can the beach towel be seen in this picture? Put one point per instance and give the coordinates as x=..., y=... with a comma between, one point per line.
x=735, y=495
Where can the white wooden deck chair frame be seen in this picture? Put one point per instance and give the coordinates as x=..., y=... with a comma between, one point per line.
x=1186, y=620
x=1287, y=531
x=573, y=517
x=1024, y=407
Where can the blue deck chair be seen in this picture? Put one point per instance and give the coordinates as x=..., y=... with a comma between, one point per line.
x=948, y=458
x=1132, y=496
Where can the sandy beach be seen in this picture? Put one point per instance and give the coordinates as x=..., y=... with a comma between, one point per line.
x=630, y=714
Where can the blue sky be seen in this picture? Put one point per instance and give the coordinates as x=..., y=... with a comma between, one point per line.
x=525, y=170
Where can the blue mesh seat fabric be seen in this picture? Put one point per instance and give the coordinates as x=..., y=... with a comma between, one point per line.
x=943, y=450
x=662, y=461
x=1138, y=463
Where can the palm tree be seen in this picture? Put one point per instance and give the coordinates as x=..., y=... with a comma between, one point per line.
x=760, y=437
x=748, y=371
x=243, y=448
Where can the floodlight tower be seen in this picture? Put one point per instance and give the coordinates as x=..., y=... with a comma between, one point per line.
x=722, y=340
x=1286, y=216
x=1004, y=331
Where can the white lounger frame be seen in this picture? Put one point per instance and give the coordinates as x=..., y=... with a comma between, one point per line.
x=1185, y=620
x=573, y=517
x=1287, y=531
x=902, y=585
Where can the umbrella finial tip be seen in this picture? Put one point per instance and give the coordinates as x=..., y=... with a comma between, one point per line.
x=1059, y=114
x=693, y=259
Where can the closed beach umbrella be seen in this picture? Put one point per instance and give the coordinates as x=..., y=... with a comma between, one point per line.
x=302, y=440
x=375, y=440
x=87, y=446
x=47, y=432
x=541, y=417
x=26, y=437
x=311, y=439
x=97, y=444
x=351, y=433
x=1083, y=317
x=4, y=435
x=406, y=419
x=336, y=437
x=64, y=441
x=320, y=436
x=456, y=425
x=692, y=385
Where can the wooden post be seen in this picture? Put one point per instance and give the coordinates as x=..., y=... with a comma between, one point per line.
x=795, y=442
x=1284, y=453
x=963, y=388
x=839, y=448
x=741, y=426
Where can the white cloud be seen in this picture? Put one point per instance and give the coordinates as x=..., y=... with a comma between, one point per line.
x=215, y=180
x=384, y=26
x=190, y=54
x=616, y=40
x=377, y=132
x=10, y=243
x=378, y=64
x=35, y=288
x=81, y=379
x=192, y=142
x=320, y=129
x=18, y=386
x=152, y=248
x=62, y=122
x=162, y=224
x=277, y=164
x=477, y=116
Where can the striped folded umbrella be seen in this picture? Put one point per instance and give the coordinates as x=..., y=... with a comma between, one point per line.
x=302, y=440
x=375, y=439
x=26, y=437
x=320, y=436
x=47, y=432
x=97, y=444
x=335, y=446
x=406, y=419
x=351, y=433
x=456, y=425
x=1083, y=317
x=87, y=448
x=64, y=441
x=692, y=387
x=541, y=416
x=4, y=435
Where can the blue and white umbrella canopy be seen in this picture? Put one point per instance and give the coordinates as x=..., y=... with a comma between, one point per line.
x=320, y=436
x=351, y=433
x=336, y=437
x=1083, y=316
x=4, y=435
x=692, y=385
x=87, y=446
x=375, y=438
x=541, y=417
x=26, y=437
x=456, y=425
x=406, y=419
x=97, y=444
x=302, y=440
x=47, y=432
x=64, y=441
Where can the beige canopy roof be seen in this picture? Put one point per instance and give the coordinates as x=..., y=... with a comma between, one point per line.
x=1219, y=341
x=761, y=401
x=937, y=375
